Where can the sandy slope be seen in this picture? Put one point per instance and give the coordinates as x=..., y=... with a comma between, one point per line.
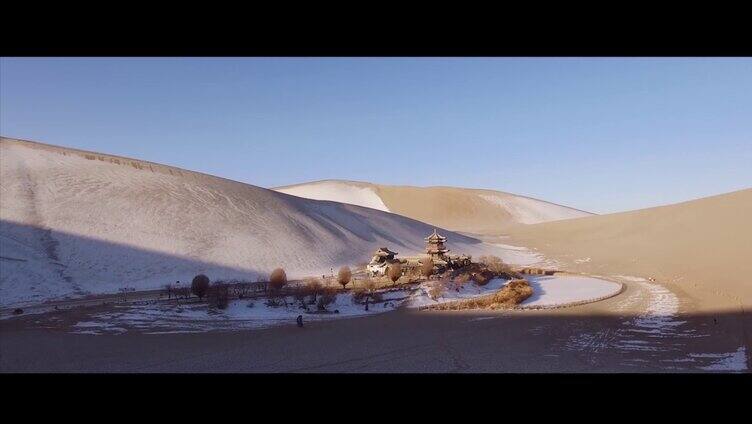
x=701, y=247
x=458, y=209
x=73, y=222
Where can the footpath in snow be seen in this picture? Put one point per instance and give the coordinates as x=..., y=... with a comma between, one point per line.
x=656, y=331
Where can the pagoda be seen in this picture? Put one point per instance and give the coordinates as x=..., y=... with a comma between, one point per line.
x=435, y=247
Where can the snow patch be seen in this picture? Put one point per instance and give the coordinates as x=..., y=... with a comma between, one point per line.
x=452, y=291
x=630, y=278
x=518, y=255
x=582, y=260
x=548, y=291
x=531, y=211
x=558, y=290
x=732, y=361
x=164, y=318
x=337, y=192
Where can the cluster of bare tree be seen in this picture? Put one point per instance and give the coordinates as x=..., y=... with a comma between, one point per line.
x=496, y=265
x=312, y=292
x=488, y=268
x=177, y=291
x=218, y=295
x=366, y=293
x=277, y=289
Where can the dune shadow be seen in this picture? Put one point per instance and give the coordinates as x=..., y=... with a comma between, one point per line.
x=40, y=263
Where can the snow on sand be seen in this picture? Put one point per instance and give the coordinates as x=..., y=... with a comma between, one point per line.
x=74, y=223
x=160, y=318
x=561, y=290
x=337, y=192
x=531, y=211
x=548, y=291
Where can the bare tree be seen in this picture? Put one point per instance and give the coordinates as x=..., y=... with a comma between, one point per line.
x=313, y=289
x=277, y=279
x=426, y=269
x=495, y=265
x=299, y=294
x=200, y=285
x=326, y=298
x=179, y=292
x=366, y=293
x=460, y=280
x=394, y=272
x=261, y=284
x=436, y=291
x=344, y=276
x=219, y=295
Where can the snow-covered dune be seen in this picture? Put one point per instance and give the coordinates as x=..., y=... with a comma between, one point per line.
x=75, y=222
x=458, y=209
x=338, y=191
x=525, y=210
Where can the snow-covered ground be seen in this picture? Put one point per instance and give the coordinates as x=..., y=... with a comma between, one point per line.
x=169, y=317
x=74, y=223
x=659, y=321
x=451, y=292
x=548, y=291
x=732, y=361
x=162, y=317
x=558, y=290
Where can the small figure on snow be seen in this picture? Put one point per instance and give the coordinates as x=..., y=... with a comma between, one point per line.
x=300, y=320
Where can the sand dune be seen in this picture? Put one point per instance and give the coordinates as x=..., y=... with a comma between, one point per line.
x=75, y=222
x=701, y=247
x=458, y=209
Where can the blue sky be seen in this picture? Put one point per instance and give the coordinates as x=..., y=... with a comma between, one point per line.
x=600, y=134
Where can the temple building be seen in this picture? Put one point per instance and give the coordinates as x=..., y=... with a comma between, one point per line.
x=435, y=247
x=438, y=253
x=380, y=261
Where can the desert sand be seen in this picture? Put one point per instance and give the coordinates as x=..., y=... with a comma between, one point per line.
x=81, y=222
x=700, y=248
x=457, y=209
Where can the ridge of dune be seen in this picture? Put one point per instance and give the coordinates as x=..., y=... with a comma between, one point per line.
x=352, y=193
x=460, y=209
x=74, y=222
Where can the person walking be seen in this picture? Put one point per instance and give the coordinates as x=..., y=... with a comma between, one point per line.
x=300, y=320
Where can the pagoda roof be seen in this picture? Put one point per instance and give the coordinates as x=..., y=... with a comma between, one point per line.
x=384, y=251
x=435, y=237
